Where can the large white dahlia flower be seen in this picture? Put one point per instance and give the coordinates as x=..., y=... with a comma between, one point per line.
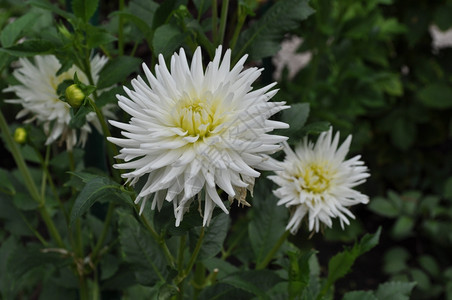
x=192, y=131
x=37, y=94
x=317, y=181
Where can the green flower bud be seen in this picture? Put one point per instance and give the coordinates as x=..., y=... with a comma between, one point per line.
x=74, y=96
x=20, y=135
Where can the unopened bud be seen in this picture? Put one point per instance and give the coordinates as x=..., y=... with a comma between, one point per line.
x=20, y=135
x=74, y=96
x=63, y=30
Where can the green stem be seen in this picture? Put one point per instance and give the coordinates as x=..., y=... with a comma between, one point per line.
x=83, y=292
x=29, y=183
x=233, y=244
x=201, y=7
x=35, y=232
x=261, y=265
x=240, y=21
x=104, y=232
x=214, y=22
x=180, y=255
x=120, y=29
x=160, y=241
x=193, y=257
x=113, y=151
x=223, y=19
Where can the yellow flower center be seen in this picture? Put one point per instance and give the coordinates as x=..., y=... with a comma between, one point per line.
x=317, y=177
x=195, y=117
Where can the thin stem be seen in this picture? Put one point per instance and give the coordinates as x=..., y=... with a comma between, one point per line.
x=214, y=22
x=83, y=292
x=104, y=232
x=35, y=232
x=180, y=255
x=240, y=21
x=193, y=257
x=160, y=240
x=121, y=29
x=233, y=244
x=223, y=19
x=29, y=183
x=273, y=251
x=201, y=8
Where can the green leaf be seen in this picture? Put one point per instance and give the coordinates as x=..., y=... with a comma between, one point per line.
x=295, y=116
x=383, y=207
x=163, y=12
x=96, y=36
x=141, y=251
x=224, y=268
x=5, y=184
x=29, y=48
x=24, y=260
x=84, y=9
x=403, y=227
x=403, y=134
x=50, y=7
x=256, y=282
x=436, y=95
x=395, y=260
x=267, y=225
x=24, y=202
x=448, y=189
x=145, y=10
x=214, y=237
x=117, y=70
x=96, y=189
x=167, y=38
x=263, y=37
x=359, y=295
x=316, y=127
x=13, y=31
x=394, y=290
x=342, y=262
x=299, y=272
x=78, y=116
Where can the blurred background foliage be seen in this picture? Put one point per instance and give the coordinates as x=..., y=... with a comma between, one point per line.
x=374, y=72
x=377, y=73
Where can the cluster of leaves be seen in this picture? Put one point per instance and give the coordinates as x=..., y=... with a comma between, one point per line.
x=376, y=73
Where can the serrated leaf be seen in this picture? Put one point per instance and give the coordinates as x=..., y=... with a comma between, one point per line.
x=96, y=189
x=84, y=9
x=299, y=272
x=117, y=70
x=29, y=48
x=141, y=251
x=13, y=31
x=167, y=38
x=394, y=290
x=263, y=38
x=342, y=262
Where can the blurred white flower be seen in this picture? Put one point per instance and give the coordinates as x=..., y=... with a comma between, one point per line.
x=318, y=182
x=192, y=131
x=37, y=94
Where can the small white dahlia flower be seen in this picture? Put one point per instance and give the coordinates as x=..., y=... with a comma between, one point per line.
x=38, y=95
x=318, y=182
x=192, y=131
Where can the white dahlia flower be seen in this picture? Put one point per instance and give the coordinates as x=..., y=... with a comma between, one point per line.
x=316, y=181
x=37, y=94
x=193, y=131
